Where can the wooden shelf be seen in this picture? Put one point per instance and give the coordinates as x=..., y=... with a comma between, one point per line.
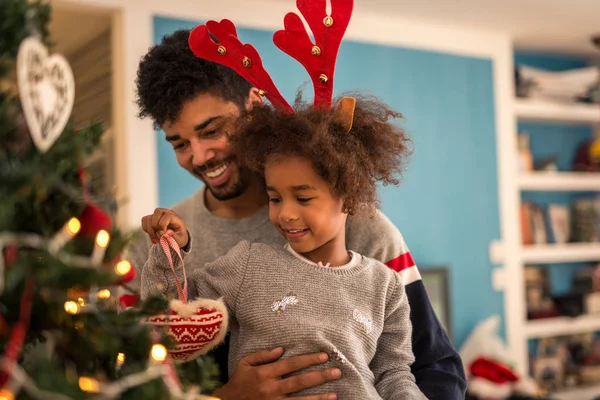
x=568, y=113
x=560, y=181
x=559, y=253
x=549, y=327
x=585, y=393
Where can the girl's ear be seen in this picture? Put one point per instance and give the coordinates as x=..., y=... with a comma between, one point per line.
x=344, y=112
x=346, y=209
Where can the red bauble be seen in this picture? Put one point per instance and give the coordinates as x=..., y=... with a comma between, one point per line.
x=128, y=300
x=10, y=255
x=122, y=276
x=93, y=219
x=128, y=277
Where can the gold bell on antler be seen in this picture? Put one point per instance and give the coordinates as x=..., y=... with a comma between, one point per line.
x=316, y=51
x=246, y=62
x=323, y=78
x=221, y=50
x=328, y=21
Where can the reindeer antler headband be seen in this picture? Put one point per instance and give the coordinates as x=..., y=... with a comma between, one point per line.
x=317, y=58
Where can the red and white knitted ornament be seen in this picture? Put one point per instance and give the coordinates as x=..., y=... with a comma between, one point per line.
x=197, y=326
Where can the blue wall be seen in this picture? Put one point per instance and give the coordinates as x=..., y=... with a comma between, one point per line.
x=447, y=206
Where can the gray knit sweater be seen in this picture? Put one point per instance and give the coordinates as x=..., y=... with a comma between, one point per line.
x=373, y=236
x=358, y=313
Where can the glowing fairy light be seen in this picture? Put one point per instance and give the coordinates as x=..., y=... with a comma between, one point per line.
x=158, y=353
x=123, y=267
x=71, y=307
x=102, y=240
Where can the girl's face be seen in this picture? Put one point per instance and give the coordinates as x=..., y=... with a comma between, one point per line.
x=303, y=208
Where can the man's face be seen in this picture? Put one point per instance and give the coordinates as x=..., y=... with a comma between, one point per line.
x=199, y=139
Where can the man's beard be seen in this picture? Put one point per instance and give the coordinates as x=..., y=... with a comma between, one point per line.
x=230, y=190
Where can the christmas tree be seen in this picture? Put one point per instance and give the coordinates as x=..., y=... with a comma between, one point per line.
x=62, y=332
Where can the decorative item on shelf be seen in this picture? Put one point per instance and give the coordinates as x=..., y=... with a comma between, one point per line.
x=525, y=156
x=569, y=304
x=594, y=92
x=592, y=303
x=524, y=85
x=526, y=232
x=533, y=223
x=553, y=364
x=587, y=157
x=587, y=282
x=589, y=363
x=567, y=362
x=548, y=372
x=559, y=217
x=568, y=86
x=547, y=164
x=537, y=294
x=585, y=219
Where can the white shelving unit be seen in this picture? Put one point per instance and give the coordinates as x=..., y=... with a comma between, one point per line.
x=560, y=253
x=583, y=393
x=559, y=326
x=542, y=111
x=516, y=255
x=560, y=181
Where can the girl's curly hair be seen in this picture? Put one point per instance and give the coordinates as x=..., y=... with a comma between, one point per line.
x=375, y=149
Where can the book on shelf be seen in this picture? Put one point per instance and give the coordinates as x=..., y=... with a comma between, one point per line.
x=578, y=222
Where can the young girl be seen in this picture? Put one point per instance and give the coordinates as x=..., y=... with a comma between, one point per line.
x=313, y=294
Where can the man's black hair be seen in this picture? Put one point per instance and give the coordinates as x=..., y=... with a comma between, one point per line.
x=169, y=75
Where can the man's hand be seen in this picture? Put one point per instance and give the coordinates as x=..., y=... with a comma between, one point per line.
x=166, y=221
x=259, y=376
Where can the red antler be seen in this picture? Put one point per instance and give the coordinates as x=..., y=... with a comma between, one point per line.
x=319, y=58
x=231, y=52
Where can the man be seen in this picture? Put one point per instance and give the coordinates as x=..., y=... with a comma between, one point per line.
x=195, y=102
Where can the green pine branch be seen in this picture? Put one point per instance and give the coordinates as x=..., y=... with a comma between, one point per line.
x=39, y=193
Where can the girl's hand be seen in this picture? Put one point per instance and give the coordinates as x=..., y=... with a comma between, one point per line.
x=166, y=221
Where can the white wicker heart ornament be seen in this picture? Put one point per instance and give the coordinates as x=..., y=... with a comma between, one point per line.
x=46, y=90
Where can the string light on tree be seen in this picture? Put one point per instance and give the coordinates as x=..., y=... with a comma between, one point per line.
x=72, y=307
x=6, y=394
x=100, y=245
x=68, y=232
x=56, y=244
x=125, y=271
x=120, y=359
x=123, y=267
x=89, y=385
x=158, y=353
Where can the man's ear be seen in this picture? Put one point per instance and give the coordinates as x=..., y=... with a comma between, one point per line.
x=254, y=99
